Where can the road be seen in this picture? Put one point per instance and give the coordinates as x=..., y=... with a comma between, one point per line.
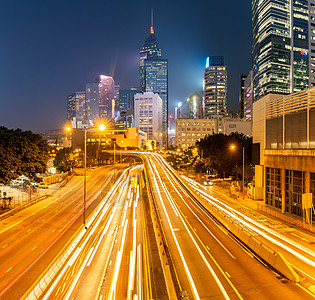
x=31, y=239
x=111, y=261
x=207, y=261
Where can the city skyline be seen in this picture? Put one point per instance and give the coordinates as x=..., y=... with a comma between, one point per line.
x=50, y=52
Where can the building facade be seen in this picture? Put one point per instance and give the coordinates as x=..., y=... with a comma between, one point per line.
x=106, y=94
x=248, y=96
x=188, y=131
x=126, y=99
x=154, y=74
x=241, y=96
x=148, y=114
x=76, y=107
x=284, y=128
x=215, y=87
x=282, y=46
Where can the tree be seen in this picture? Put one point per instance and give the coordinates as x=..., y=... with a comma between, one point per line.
x=64, y=160
x=216, y=149
x=21, y=153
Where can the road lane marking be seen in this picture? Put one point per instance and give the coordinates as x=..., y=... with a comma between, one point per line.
x=5, y=246
x=34, y=248
x=228, y=274
x=8, y=270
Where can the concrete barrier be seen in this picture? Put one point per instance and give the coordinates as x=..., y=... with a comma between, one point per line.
x=273, y=258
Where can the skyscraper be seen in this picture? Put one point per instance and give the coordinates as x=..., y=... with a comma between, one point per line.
x=106, y=93
x=126, y=99
x=148, y=114
x=242, y=95
x=100, y=102
x=76, y=106
x=154, y=72
x=215, y=87
x=282, y=46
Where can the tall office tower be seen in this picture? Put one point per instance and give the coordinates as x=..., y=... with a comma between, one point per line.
x=241, y=95
x=150, y=50
x=116, y=99
x=215, y=87
x=92, y=103
x=156, y=80
x=76, y=106
x=154, y=72
x=148, y=115
x=106, y=92
x=100, y=103
x=281, y=46
x=193, y=106
x=248, y=96
x=126, y=99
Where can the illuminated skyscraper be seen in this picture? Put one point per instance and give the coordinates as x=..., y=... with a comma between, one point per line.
x=241, y=95
x=215, y=87
x=100, y=101
x=154, y=72
x=283, y=47
x=148, y=115
x=76, y=106
x=126, y=99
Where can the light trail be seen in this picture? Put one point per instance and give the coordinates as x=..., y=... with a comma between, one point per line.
x=190, y=279
x=104, y=209
x=224, y=293
x=228, y=210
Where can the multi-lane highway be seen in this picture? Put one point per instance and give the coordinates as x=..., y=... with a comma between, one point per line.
x=149, y=235
x=207, y=261
x=31, y=239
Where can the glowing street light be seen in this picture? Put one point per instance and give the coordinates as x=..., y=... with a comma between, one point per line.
x=68, y=129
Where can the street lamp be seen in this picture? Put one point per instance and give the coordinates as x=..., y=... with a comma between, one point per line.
x=233, y=147
x=101, y=128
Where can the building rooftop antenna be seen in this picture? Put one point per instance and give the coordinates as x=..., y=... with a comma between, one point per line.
x=151, y=28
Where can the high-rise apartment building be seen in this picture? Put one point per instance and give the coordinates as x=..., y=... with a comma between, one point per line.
x=154, y=72
x=215, y=87
x=282, y=49
x=148, y=114
x=76, y=106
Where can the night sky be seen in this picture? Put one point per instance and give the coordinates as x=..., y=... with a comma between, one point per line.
x=49, y=49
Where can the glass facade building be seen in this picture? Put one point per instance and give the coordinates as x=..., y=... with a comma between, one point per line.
x=215, y=87
x=126, y=99
x=281, y=46
x=76, y=107
x=100, y=99
x=154, y=74
x=156, y=79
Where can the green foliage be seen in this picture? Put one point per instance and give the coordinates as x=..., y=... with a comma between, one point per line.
x=216, y=150
x=64, y=160
x=21, y=153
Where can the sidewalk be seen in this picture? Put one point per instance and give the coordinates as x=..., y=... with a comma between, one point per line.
x=255, y=209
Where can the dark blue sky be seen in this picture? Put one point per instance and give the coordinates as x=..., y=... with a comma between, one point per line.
x=49, y=49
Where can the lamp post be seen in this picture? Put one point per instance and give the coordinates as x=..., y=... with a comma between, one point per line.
x=243, y=171
x=101, y=128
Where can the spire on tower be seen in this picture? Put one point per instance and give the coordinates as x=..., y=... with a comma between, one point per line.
x=151, y=28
